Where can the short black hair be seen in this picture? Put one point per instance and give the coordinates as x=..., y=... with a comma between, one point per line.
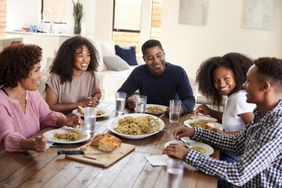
x=64, y=60
x=270, y=67
x=236, y=62
x=149, y=44
x=16, y=62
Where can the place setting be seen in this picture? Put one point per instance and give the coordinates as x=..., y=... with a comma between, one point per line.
x=203, y=121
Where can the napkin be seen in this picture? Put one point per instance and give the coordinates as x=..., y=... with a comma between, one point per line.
x=161, y=160
x=157, y=160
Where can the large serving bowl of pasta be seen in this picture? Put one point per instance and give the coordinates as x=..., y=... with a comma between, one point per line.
x=136, y=126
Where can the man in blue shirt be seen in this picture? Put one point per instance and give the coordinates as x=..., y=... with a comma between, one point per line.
x=159, y=80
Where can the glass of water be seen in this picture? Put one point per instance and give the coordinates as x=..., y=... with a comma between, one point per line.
x=141, y=102
x=174, y=110
x=174, y=176
x=89, y=120
x=120, y=102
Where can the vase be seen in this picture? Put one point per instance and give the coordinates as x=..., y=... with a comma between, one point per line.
x=77, y=30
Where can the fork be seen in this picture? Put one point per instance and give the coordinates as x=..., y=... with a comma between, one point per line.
x=154, y=121
x=186, y=144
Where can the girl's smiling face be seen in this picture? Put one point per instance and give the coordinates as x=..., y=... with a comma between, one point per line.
x=224, y=80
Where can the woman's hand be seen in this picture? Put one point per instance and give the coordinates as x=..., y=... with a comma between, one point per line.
x=204, y=109
x=93, y=101
x=74, y=121
x=70, y=121
x=182, y=131
x=39, y=143
x=90, y=101
x=132, y=101
x=176, y=150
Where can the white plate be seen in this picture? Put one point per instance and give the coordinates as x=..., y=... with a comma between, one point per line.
x=208, y=149
x=204, y=118
x=107, y=113
x=114, y=123
x=50, y=136
x=216, y=125
x=157, y=105
x=187, y=139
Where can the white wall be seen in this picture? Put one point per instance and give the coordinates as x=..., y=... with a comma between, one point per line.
x=96, y=23
x=20, y=13
x=103, y=19
x=189, y=45
x=28, y=12
x=185, y=45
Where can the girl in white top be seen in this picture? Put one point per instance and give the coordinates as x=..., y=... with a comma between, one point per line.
x=224, y=76
x=236, y=106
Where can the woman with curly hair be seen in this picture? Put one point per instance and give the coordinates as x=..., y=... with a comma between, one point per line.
x=72, y=82
x=23, y=111
x=224, y=76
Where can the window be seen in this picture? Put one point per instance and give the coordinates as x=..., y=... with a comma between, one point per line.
x=128, y=35
x=127, y=15
x=54, y=11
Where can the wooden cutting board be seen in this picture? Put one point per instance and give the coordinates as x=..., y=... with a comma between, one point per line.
x=104, y=159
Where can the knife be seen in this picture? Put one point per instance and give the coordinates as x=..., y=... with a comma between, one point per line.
x=79, y=152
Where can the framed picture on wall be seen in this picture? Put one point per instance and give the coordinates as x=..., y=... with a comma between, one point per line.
x=258, y=14
x=193, y=12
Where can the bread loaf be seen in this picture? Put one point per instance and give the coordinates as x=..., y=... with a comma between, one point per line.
x=105, y=142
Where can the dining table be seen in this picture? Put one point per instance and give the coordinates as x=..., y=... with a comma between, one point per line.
x=48, y=169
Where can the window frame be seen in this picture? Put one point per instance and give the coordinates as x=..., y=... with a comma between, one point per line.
x=42, y=20
x=124, y=30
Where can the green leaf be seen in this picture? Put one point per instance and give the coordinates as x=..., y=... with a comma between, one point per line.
x=77, y=13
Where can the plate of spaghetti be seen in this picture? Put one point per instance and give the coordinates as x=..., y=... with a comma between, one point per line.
x=136, y=126
x=155, y=109
x=66, y=136
x=212, y=126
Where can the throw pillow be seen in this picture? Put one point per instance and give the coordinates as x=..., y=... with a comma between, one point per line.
x=115, y=63
x=107, y=48
x=101, y=66
x=127, y=53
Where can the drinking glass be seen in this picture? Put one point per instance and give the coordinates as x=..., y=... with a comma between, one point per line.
x=141, y=102
x=89, y=119
x=174, y=170
x=174, y=110
x=120, y=102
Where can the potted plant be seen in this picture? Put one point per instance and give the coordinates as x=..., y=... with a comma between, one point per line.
x=77, y=15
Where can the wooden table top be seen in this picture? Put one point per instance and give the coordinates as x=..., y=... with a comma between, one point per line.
x=47, y=169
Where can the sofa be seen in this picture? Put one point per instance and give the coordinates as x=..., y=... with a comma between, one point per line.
x=111, y=73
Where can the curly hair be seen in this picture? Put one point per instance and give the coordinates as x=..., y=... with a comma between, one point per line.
x=64, y=60
x=270, y=67
x=236, y=62
x=149, y=44
x=16, y=62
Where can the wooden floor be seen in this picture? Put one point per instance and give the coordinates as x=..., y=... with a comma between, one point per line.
x=31, y=169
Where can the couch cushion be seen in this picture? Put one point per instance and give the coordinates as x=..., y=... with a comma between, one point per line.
x=101, y=66
x=107, y=48
x=115, y=63
x=127, y=53
x=110, y=81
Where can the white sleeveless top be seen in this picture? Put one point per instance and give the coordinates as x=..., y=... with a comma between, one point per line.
x=236, y=104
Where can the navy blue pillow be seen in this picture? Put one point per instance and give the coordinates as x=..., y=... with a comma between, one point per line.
x=127, y=53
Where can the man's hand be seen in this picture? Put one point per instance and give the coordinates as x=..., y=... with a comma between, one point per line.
x=176, y=150
x=183, y=131
x=132, y=102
